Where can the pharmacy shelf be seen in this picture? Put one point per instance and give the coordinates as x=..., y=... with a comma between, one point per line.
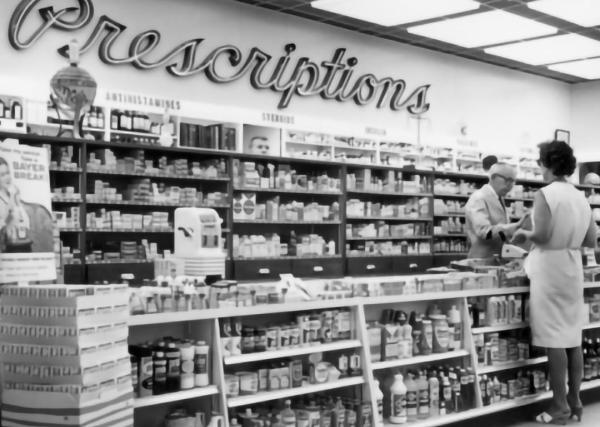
x=499, y=328
x=451, y=196
x=449, y=215
x=156, y=175
x=234, y=402
x=70, y=230
x=450, y=235
x=66, y=126
x=66, y=200
x=119, y=261
x=152, y=204
x=389, y=218
x=592, y=325
x=418, y=360
x=291, y=352
x=275, y=221
x=389, y=238
x=450, y=253
x=503, y=366
x=59, y=169
x=432, y=296
x=491, y=409
x=130, y=230
x=134, y=133
x=290, y=191
x=389, y=193
x=384, y=255
x=307, y=257
x=161, y=399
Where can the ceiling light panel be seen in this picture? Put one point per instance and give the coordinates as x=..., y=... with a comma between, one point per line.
x=549, y=50
x=388, y=13
x=581, y=12
x=587, y=69
x=483, y=29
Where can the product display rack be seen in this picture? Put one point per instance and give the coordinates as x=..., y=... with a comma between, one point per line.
x=200, y=322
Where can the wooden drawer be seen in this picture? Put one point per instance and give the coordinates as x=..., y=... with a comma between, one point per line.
x=401, y=264
x=112, y=272
x=368, y=266
x=318, y=267
x=261, y=269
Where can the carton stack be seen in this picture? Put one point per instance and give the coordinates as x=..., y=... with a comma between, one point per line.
x=65, y=360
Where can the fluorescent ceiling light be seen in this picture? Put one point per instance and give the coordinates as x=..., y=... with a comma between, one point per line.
x=581, y=12
x=549, y=50
x=483, y=29
x=395, y=12
x=587, y=69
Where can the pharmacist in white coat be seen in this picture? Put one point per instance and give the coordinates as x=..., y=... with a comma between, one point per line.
x=487, y=223
x=562, y=224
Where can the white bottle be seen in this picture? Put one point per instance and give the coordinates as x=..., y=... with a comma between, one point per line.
x=398, y=396
x=510, y=309
x=518, y=315
x=379, y=399
x=434, y=395
x=456, y=322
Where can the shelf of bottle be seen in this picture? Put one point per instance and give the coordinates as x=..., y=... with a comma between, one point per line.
x=391, y=255
x=290, y=191
x=389, y=218
x=464, y=175
x=70, y=229
x=591, y=285
x=151, y=204
x=66, y=200
x=307, y=257
x=349, y=147
x=156, y=175
x=119, y=261
x=142, y=402
x=504, y=366
x=129, y=230
x=389, y=193
x=450, y=235
x=289, y=222
x=451, y=195
x=499, y=328
x=448, y=215
x=291, y=352
x=67, y=170
x=592, y=325
x=136, y=133
x=69, y=126
x=389, y=238
x=234, y=402
x=157, y=147
x=450, y=253
x=419, y=360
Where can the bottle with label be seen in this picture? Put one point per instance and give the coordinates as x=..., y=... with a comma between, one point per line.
x=115, y=120
x=226, y=337
x=201, y=350
x=339, y=414
x=483, y=389
x=236, y=337
x=471, y=387
x=187, y=366
x=434, y=394
x=457, y=398
x=441, y=337
x=288, y=416
x=423, y=385
x=465, y=392
x=399, y=403
x=173, y=356
x=454, y=329
x=292, y=244
x=446, y=394
x=16, y=110
x=159, y=373
x=412, y=398
x=379, y=400
x=145, y=372
x=2, y=108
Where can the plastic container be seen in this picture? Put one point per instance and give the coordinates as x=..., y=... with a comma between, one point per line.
x=423, y=384
x=379, y=399
x=187, y=366
x=440, y=338
x=201, y=360
x=399, y=400
x=426, y=342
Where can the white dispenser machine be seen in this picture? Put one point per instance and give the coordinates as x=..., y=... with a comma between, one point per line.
x=198, y=241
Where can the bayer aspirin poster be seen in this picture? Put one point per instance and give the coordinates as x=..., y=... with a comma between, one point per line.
x=26, y=242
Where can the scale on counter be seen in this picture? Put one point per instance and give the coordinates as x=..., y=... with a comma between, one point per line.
x=198, y=241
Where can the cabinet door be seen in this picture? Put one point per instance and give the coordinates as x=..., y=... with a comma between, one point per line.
x=401, y=264
x=261, y=269
x=369, y=265
x=318, y=267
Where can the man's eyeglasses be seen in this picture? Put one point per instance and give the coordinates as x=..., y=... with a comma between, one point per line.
x=506, y=179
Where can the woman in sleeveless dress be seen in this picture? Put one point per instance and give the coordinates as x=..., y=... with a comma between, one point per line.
x=562, y=224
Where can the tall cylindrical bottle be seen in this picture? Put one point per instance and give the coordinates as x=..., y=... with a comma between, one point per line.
x=379, y=399
x=201, y=350
x=399, y=396
x=434, y=395
x=423, y=396
x=412, y=398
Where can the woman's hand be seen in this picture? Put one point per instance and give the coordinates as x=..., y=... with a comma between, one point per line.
x=521, y=236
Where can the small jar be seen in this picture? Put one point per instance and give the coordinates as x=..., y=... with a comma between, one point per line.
x=247, y=339
x=260, y=340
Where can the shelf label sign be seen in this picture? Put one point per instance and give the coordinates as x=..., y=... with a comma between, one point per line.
x=331, y=79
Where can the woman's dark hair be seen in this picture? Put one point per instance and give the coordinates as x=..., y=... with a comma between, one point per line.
x=558, y=157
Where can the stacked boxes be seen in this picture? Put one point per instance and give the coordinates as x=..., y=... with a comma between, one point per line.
x=64, y=354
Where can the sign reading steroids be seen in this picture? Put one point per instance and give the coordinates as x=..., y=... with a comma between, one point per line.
x=332, y=79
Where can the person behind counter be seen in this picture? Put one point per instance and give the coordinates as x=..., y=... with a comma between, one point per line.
x=562, y=224
x=487, y=223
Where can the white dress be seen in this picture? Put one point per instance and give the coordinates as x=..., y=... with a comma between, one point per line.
x=556, y=272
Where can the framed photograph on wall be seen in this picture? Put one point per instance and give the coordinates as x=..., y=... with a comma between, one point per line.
x=562, y=135
x=262, y=140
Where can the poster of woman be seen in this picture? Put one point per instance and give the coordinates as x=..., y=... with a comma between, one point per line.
x=26, y=226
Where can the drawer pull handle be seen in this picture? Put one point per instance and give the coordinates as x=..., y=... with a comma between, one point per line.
x=317, y=268
x=371, y=267
x=264, y=271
